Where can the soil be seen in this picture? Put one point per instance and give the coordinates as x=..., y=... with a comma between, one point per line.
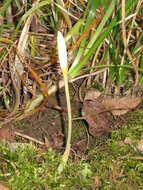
x=50, y=124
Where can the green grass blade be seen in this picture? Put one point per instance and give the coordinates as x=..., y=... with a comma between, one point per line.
x=18, y=4
x=101, y=26
x=113, y=72
x=65, y=15
x=4, y=7
x=74, y=30
x=29, y=12
x=74, y=72
x=141, y=66
x=89, y=13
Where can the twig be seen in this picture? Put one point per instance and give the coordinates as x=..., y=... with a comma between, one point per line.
x=87, y=75
x=29, y=138
x=77, y=118
x=138, y=158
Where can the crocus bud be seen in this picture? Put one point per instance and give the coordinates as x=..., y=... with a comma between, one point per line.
x=62, y=52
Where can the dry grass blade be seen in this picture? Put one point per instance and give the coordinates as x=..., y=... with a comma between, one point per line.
x=85, y=33
x=34, y=74
x=126, y=45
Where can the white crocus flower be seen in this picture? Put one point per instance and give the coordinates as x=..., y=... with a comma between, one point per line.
x=62, y=52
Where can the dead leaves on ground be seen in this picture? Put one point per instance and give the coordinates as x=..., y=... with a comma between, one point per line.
x=122, y=105
x=96, y=108
x=93, y=113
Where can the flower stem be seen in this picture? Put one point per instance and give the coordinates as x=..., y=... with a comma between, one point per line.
x=68, y=144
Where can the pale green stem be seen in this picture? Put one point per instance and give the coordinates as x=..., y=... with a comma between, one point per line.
x=68, y=144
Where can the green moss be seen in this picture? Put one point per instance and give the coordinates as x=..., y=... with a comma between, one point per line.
x=79, y=130
x=116, y=164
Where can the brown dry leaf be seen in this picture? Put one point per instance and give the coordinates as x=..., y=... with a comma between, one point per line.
x=95, y=108
x=93, y=112
x=92, y=94
x=2, y=187
x=121, y=106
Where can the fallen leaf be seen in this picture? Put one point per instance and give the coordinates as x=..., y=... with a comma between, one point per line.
x=98, y=124
x=93, y=113
x=122, y=105
x=92, y=94
x=96, y=107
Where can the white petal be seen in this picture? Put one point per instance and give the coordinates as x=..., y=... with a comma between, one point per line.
x=62, y=52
